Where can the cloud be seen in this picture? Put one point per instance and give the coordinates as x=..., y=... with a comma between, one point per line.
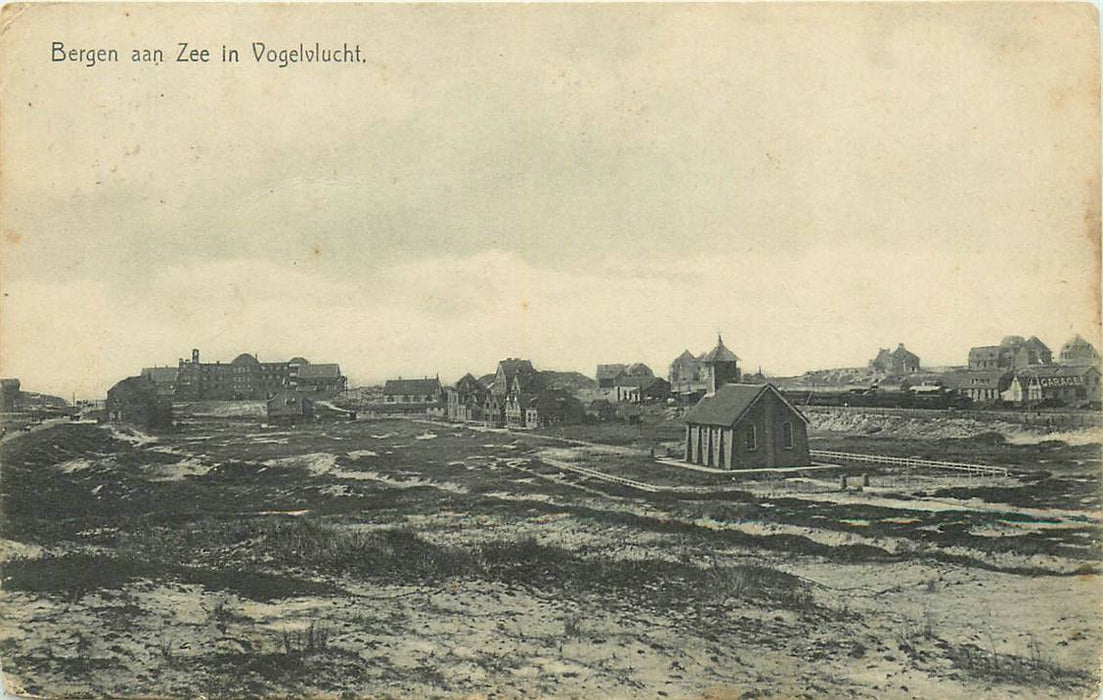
x=449, y=314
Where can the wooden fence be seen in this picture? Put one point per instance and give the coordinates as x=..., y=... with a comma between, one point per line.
x=910, y=462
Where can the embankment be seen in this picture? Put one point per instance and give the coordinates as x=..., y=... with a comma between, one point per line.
x=1074, y=428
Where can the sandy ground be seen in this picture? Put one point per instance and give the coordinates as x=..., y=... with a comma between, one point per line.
x=932, y=618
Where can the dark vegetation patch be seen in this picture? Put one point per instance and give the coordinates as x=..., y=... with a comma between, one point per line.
x=74, y=575
x=942, y=528
x=804, y=546
x=400, y=556
x=1043, y=491
x=1033, y=669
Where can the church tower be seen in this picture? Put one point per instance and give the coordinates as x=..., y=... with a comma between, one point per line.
x=720, y=367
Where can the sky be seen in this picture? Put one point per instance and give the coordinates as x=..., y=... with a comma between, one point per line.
x=574, y=184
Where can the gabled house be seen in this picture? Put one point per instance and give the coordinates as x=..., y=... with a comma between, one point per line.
x=413, y=396
x=508, y=370
x=642, y=389
x=685, y=373
x=746, y=426
x=1078, y=352
x=318, y=379
x=898, y=361
x=465, y=401
x=988, y=357
x=982, y=385
x=607, y=375
x=520, y=410
x=1013, y=352
x=494, y=410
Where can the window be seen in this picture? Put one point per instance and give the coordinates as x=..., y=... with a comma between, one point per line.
x=787, y=435
x=751, y=441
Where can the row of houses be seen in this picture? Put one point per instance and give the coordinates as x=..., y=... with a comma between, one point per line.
x=517, y=395
x=735, y=425
x=1023, y=371
x=1015, y=353
x=1061, y=385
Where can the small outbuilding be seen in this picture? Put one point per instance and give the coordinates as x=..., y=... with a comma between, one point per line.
x=136, y=401
x=290, y=408
x=746, y=426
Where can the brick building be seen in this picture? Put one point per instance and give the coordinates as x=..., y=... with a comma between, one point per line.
x=247, y=378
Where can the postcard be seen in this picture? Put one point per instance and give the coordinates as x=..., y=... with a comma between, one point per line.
x=550, y=350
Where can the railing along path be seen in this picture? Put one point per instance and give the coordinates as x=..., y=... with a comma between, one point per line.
x=979, y=469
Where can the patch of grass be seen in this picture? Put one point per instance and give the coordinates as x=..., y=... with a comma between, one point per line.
x=402, y=555
x=1032, y=669
x=74, y=575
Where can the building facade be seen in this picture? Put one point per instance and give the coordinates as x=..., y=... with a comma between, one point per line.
x=1013, y=352
x=415, y=396
x=983, y=386
x=465, y=401
x=1057, y=385
x=247, y=378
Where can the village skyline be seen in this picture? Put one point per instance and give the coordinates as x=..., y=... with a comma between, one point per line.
x=660, y=367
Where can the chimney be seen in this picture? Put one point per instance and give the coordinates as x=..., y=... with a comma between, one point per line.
x=195, y=356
